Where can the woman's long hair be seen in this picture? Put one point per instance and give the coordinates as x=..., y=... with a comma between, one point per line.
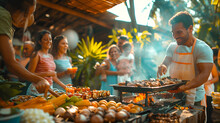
x=56, y=42
x=39, y=38
x=21, y=5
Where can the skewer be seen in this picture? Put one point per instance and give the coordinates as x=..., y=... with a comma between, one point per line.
x=66, y=119
x=53, y=93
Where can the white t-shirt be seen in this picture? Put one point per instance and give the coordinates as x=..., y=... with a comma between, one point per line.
x=202, y=54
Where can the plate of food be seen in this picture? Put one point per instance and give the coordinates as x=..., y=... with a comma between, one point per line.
x=21, y=98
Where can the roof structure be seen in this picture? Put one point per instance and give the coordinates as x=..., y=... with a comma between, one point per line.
x=86, y=17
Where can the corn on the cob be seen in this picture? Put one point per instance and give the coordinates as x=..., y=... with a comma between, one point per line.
x=59, y=100
x=33, y=101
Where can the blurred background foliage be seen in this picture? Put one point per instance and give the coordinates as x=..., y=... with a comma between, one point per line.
x=206, y=14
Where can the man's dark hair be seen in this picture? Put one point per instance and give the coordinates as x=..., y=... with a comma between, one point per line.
x=182, y=17
x=123, y=37
x=215, y=51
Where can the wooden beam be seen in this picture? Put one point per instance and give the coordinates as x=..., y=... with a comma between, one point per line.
x=75, y=13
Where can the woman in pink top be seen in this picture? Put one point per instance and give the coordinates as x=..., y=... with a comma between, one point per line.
x=42, y=62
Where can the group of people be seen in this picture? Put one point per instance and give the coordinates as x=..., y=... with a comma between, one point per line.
x=51, y=66
x=38, y=66
x=18, y=13
x=119, y=64
x=187, y=59
x=46, y=58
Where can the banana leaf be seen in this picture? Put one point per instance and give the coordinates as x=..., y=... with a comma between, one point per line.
x=9, y=89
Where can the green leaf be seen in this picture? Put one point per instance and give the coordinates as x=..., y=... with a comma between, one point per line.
x=92, y=52
x=203, y=31
x=9, y=89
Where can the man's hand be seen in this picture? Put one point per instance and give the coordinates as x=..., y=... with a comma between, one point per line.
x=42, y=86
x=162, y=69
x=180, y=89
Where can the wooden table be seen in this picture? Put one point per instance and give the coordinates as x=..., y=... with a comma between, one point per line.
x=215, y=115
x=196, y=115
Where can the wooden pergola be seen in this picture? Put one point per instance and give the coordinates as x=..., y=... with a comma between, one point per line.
x=83, y=16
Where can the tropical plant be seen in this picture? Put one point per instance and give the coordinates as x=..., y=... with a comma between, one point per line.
x=133, y=36
x=161, y=12
x=85, y=57
x=117, y=33
x=207, y=14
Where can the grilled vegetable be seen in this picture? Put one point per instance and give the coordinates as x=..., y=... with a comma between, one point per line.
x=59, y=100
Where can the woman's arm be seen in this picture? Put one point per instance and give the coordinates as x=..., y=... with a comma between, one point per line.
x=13, y=66
x=55, y=79
x=215, y=76
x=118, y=72
x=100, y=70
x=122, y=72
x=67, y=72
x=33, y=64
x=73, y=74
x=24, y=61
x=61, y=74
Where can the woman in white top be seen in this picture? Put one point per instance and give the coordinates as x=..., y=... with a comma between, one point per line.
x=209, y=88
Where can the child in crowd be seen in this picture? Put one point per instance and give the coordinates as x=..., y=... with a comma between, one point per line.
x=125, y=62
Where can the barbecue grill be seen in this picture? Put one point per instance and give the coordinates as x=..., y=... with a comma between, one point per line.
x=146, y=90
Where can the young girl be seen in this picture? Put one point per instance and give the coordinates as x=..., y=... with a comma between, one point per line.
x=41, y=62
x=125, y=63
x=62, y=61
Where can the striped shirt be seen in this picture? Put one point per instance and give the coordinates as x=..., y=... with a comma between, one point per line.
x=46, y=64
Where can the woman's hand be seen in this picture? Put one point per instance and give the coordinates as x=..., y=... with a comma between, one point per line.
x=208, y=82
x=69, y=71
x=42, y=86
